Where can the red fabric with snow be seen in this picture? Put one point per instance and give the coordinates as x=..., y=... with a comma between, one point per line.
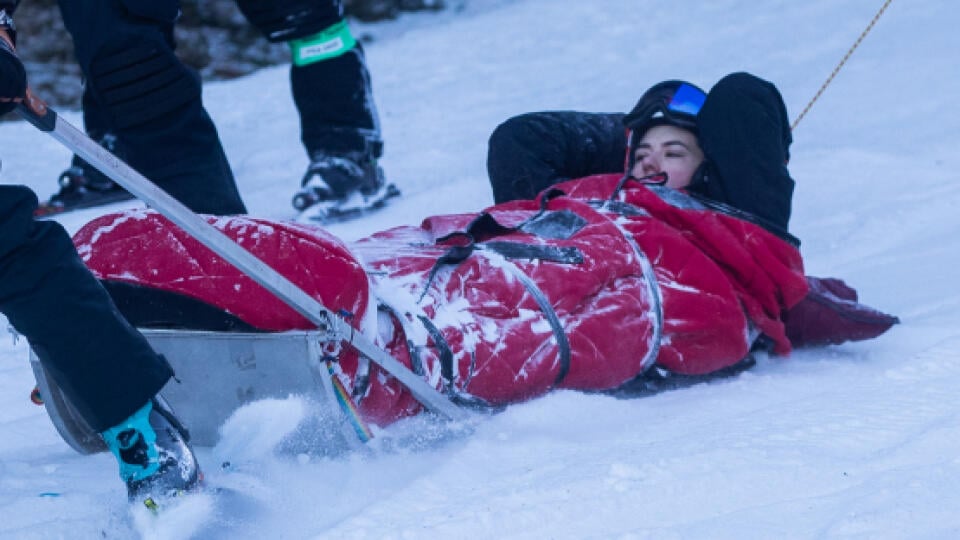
x=493, y=310
x=501, y=341
x=144, y=248
x=709, y=251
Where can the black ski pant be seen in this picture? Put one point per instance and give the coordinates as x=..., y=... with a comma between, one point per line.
x=333, y=96
x=137, y=89
x=103, y=365
x=335, y=101
x=744, y=133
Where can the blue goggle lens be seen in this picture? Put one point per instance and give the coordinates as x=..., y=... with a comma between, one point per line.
x=687, y=100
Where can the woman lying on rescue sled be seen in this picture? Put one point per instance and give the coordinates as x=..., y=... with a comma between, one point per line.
x=742, y=148
x=587, y=286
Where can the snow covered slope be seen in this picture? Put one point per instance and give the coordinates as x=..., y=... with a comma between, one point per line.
x=855, y=441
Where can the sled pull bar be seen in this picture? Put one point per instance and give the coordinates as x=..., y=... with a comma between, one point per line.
x=46, y=119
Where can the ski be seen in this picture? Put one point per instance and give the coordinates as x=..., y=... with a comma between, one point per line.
x=224, y=502
x=326, y=213
x=50, y=209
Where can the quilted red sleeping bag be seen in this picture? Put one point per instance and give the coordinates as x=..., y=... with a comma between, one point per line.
x=585, y=288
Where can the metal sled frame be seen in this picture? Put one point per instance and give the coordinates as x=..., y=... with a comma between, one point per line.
x=217, y=372
x=328, y=323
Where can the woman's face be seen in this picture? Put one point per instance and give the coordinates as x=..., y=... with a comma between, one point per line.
x=668, y=149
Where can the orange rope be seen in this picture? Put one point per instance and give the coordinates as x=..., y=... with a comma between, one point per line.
x=840, y=65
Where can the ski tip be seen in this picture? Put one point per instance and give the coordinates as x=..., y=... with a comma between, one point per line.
x=176, y=517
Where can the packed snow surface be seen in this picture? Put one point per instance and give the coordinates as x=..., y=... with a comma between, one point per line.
x=853, y=441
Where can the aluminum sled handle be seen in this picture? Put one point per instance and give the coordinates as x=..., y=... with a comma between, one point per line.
x=46, y=119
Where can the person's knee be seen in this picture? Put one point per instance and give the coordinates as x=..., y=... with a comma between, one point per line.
x=95, y=23
x=139, y=82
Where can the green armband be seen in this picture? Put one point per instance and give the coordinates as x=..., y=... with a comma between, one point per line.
x=329, y=43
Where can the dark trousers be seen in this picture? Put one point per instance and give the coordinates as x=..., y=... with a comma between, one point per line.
x=335, y=100
x=156, y=113
x=333, y=97
x=104, y=366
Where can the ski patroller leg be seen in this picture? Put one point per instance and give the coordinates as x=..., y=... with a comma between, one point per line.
x=138, y=90
x=46, y=119
x=340, y=128
x=332, y=91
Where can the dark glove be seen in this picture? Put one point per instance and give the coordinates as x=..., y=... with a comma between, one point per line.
x=13, y=78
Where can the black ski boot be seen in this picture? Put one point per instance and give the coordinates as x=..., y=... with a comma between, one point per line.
x=340, y=186
x=156, y=461
x=83, y=186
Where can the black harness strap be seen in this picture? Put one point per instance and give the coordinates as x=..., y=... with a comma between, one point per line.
x=552, y=225
x=416, y=363
x=461, y=398
x=646, y=267
x=563, y=344
x=454, y=255
x=519, y=250
x=446, y=353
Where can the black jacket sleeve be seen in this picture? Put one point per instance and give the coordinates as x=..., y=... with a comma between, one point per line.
x=530, y=152
x=745, y=136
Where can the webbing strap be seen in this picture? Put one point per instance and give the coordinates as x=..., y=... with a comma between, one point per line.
x=446, y=353
x=646, y=267
x=563, y=344
x=350, y=411
x=511, y=250
x=459, y=253
x=457, y=397
x=546, y=224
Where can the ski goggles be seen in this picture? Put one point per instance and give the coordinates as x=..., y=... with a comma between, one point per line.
x=687, y=100
x=682, y=109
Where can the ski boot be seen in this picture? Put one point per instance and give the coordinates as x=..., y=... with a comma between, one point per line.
x=340, y=187
x=83, y=186
x=374, y=10
x=156, y=461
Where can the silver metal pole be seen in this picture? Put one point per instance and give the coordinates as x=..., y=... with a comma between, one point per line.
x=46, y=119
